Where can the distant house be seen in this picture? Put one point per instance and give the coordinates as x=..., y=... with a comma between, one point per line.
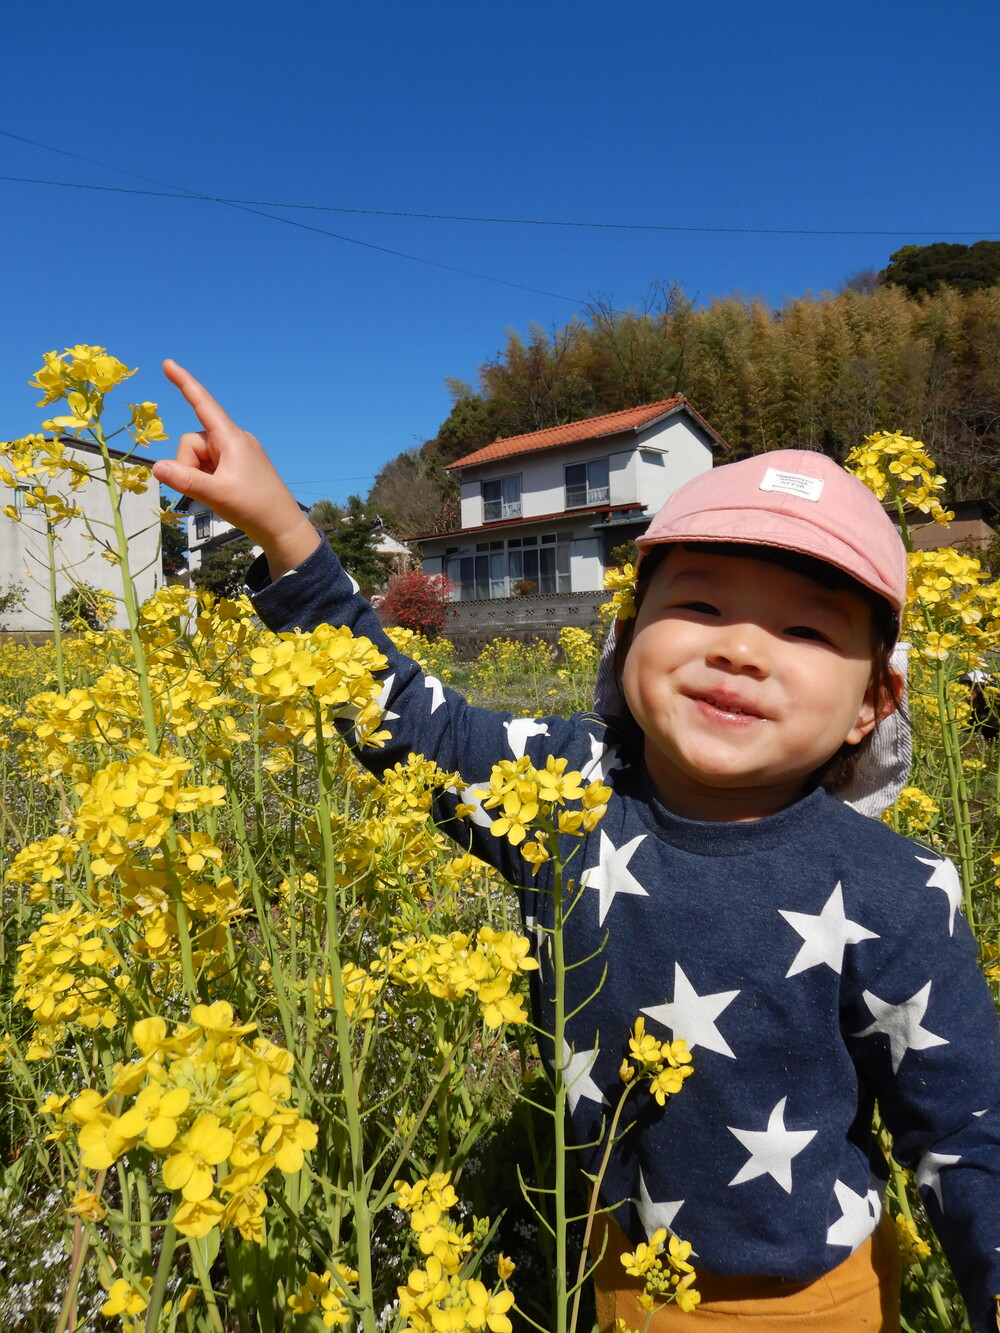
x=206, y=532
x=24, y=558
x=547, y=508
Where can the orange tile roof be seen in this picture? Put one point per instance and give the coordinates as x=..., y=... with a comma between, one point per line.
x=611, y=423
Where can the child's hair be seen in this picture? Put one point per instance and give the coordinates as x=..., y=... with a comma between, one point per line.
x=886, y=686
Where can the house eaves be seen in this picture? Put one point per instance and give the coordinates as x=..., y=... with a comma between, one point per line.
x=631, y=421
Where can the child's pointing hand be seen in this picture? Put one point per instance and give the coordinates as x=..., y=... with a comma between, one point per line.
x=227, y=469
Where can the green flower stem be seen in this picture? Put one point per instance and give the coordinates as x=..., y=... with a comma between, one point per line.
x=67, y=1314
x=159, y=1289
x=57, y=638
x=200, y=1265
x=560, y=1274
x=286, y=1002
x=957, y=785
x=592, y=1209
x=130, y=597
x=358, y=1187
x=958, y=790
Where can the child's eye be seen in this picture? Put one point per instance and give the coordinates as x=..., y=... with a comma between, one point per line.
x=807, y=632
x=705, y=608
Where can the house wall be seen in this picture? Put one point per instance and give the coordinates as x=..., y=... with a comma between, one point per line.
x=641, y=469
x=24, y=553
x=216, y=528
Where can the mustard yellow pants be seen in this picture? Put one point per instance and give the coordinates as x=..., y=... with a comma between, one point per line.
x=861, y=1295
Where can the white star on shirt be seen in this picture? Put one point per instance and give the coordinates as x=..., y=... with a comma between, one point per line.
x=576, y=1076
x=859, y=1213
x=945, y=877
x=519, y=732
x=771, y=1149
x=604, y=759
x=826, y=936
x=654, y=1215
x=901, y=1024
x=468, y=796
x=929, y=1171
x=383, y=698
x=692, y=1016
x=611, y=874
x=437, y=692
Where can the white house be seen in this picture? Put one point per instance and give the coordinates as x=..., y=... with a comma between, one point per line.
x=206, y=532
x=549, y=507
x=24, y=558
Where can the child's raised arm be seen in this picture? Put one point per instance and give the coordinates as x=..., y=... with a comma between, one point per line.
x=227, y=469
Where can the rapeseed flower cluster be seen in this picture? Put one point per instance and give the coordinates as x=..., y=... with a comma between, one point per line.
x=329, y=666
x=201, y=1097
x=665, y=1063
x=436, y=1299
x=538, y=800
x=322, y=1294
x=663, y=1283
x=897, y=468
x=620, y=583
x=916, y=812
x=452, y=967
x=70, y=973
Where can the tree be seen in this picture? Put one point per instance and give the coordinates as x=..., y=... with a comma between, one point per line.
x=418, y=601
x=85, y=607
x=863, y=282
x=414, y=495
x=925, y=268
x=224, y=570
x=351, y=533
x=12, y=598
x=173, y=539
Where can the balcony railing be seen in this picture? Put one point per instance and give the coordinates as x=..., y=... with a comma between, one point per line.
x=578, y=497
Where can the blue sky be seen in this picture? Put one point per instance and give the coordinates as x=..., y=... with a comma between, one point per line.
x=861, y=117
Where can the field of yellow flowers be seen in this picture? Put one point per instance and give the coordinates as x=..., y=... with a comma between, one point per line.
x=264, y=1053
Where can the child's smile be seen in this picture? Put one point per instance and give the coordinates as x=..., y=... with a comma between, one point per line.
x=745, y=678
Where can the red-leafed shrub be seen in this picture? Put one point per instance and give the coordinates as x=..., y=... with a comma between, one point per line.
x=418, y=601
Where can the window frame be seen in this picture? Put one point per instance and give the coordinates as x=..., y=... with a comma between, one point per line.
x=582, y=495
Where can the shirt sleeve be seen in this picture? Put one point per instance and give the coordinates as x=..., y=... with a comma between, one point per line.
x=924, y=1036
x=421, y=714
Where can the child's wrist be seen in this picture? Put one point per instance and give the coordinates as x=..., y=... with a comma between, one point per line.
x=287, y=550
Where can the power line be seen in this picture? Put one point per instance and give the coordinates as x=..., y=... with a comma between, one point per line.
x=178, y=192
x=289, y=222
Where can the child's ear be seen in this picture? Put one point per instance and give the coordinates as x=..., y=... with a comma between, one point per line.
x=869, y=716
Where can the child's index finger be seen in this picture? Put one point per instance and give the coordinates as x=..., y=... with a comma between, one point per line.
x=211, y=415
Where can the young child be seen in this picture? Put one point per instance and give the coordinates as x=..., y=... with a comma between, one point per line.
x=813, y=960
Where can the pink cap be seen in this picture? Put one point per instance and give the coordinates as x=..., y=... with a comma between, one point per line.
x=795, y=500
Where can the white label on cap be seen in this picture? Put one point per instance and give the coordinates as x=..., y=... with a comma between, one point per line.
x=792, y=483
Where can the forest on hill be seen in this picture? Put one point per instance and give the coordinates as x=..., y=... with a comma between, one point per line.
x=818, y=372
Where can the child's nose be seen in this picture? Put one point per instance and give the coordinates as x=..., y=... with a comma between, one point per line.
x=741, y=648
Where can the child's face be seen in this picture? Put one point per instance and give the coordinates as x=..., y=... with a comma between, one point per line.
x=745, y=678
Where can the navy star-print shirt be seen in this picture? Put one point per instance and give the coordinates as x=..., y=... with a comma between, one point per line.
x=814, y=962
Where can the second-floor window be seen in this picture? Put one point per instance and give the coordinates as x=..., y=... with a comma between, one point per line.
x=501, y=499
x=202, y=526
x=587, y=484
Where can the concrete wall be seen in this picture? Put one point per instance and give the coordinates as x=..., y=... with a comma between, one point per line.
x=24, y=555
x=472, y=625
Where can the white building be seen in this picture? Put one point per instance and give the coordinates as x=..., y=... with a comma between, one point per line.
x=24, y=557
x=206, y=532
x=549, y=507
